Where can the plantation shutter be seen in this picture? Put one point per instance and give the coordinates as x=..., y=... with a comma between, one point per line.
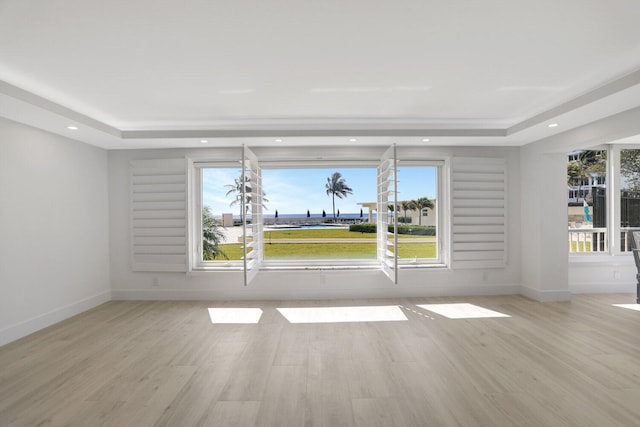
x=252, y=236
x=388, y=196
x=158, y=215
x=479, y=212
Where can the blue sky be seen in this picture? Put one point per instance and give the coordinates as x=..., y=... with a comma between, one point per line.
x=293, y=191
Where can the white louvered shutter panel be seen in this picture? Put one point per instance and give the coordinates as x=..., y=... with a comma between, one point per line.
x=479, y=212
x=158, y=215
x=252, y=205
x=388, y=196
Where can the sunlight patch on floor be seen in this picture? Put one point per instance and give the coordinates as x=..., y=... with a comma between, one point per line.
x=461, y=311
x=235, y=315
x=391, y=313
x=628, y=306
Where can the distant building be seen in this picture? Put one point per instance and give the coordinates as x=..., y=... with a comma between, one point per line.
x=413, y=217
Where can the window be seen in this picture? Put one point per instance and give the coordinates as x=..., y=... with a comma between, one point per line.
x=219, y=239
x=418, y=212
x=220, y=193
x=587, y=201
x=305, y=214
x=597, y=222
x=313, y=211
x=629, y=194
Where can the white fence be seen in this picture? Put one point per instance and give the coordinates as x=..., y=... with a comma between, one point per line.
x=588, y=240
x=595, y=239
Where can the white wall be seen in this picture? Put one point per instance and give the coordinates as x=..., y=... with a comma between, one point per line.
x=54, y=236
x=301, y=284
x=544, y=225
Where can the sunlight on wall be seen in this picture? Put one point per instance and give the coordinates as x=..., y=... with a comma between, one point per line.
x=461, y=311
x=235, y=315
x=391, y=313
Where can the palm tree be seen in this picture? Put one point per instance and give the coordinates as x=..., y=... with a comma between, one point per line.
x=406, y=205
x=337, y=186
x=592, y=163
x=420, y=205
x=236, y=188
x=212, y=236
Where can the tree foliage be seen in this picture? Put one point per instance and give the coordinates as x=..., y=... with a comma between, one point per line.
x=590, y=163
x=235, y=189
x=574, y=171
x=421, y=204
x=212, y=236
x=593, y=163
x=336, y=186
x=630, y=168
x=406, y=205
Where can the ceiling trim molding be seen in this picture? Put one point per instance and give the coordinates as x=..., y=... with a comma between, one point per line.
x=45, y=104
x=597, y=94
x=268, y=133
x=604, y=131
x=342, y=129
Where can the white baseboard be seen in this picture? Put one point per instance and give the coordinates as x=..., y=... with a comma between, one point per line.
x=304, y=293
x=616, y=287
x=29, y=326
x=545, y=296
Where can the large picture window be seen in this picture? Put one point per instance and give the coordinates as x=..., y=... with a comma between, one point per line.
x=300, y=215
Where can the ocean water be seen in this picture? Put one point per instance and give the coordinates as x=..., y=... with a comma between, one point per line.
x=329, y=215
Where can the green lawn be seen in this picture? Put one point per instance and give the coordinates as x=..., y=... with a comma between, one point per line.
x=338, y=250
x=273, y=250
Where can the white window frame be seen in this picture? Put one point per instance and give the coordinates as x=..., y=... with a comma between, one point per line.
x=196, y=262
x=613, y=176
x=441, y=202
x=196, y=259
x=613, y=187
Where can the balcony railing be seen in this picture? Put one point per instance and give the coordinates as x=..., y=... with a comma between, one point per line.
x=594, y=240
x=588, y=240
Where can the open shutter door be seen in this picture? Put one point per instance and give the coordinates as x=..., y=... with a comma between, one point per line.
x=479, y=212
x=388, y=196
x=158, y=215
x=252, y=241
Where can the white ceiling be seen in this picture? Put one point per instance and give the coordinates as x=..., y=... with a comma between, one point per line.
x=146, y=73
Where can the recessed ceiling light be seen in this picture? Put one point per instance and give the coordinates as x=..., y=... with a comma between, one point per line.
x=553, y=125
x=204, y=141
x=278, y=140
x=352, y=140
x=71, y=127
x=425, y=139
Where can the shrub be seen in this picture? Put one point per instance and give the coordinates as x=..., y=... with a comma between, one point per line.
x=415, y=230
x=363, y=228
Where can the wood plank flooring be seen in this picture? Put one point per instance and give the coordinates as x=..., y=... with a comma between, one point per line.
x=159, y=363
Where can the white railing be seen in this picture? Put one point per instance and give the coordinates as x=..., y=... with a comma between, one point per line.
x=588, y=240
x=582, y=239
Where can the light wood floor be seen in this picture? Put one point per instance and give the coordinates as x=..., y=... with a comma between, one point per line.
x=165, y=364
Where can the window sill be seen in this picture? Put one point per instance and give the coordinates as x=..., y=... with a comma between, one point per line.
x=275, y=267
x=605, y=259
